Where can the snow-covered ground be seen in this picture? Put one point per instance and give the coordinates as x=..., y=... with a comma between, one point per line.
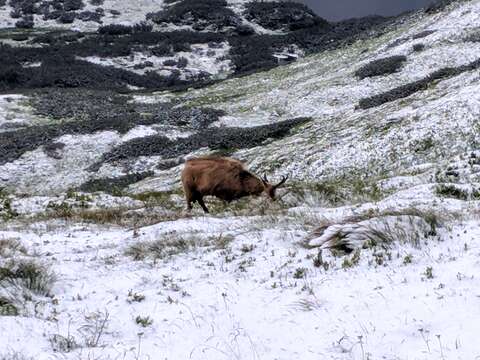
x=246, y=289
x=202, y=59
x=119, y=12
x=135, y=277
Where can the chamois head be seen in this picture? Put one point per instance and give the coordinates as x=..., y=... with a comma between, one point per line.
x=271, y=189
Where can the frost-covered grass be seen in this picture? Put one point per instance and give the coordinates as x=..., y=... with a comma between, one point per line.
x=232, y=287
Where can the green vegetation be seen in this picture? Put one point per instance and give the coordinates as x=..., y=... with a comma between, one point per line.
x=171, y=244
x=353, y=261
x=300, y=273
x=163, y=199
x=455, y=192
x=428, y=272
x=134, y=297
x=336, y=192
x=27, y=274
x=143, y=321
x=407, y=259
x=6, y=210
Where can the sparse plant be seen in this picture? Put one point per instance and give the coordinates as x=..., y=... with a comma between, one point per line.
x=6, y=210
x=94, y=328
x=300, y=273
x=222, y=241
x=353, y=261
x=246, y=248
x=7, y=308
x=134, y=297
x=318, y=261
x=428, y=272
x=82, y=200
x=143, y=321
x=407, y=259
x=63, y=344
x=14, y=355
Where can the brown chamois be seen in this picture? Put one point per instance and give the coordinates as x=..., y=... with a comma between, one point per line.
x=225, y=178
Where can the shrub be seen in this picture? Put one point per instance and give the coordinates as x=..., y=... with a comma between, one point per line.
x=197, y=13
x=142, y=27
x=381, y=67
x=215, y=139
x=418, y=47
x=475, y=37
x=67, y=17
x=182, y=63
x=423, y=34
x=25, y=23
x=437, y=6
x=115, y=30
x=284, y=15
x=70, y=5
x=170, y=62
x=411, y=88
x=90, y=16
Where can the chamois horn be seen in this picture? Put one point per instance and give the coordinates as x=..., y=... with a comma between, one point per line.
x=284, y=179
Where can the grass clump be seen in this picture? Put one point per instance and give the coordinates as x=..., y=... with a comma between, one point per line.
x=378, y=229
x=454, y=192
x=10, y=247
x=7, y=308
x=28, y=275
x=6, y=210
x=169, y=245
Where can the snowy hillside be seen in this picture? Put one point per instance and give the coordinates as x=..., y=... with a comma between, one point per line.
x=372, y=250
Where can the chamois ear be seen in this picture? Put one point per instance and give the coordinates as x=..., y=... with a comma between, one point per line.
x=264, y=179
x=284, y=179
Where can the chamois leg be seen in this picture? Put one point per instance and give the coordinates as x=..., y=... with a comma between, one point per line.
x=189, y=197
x=202, y=204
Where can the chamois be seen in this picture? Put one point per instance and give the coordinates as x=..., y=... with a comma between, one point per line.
x=224, y=178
